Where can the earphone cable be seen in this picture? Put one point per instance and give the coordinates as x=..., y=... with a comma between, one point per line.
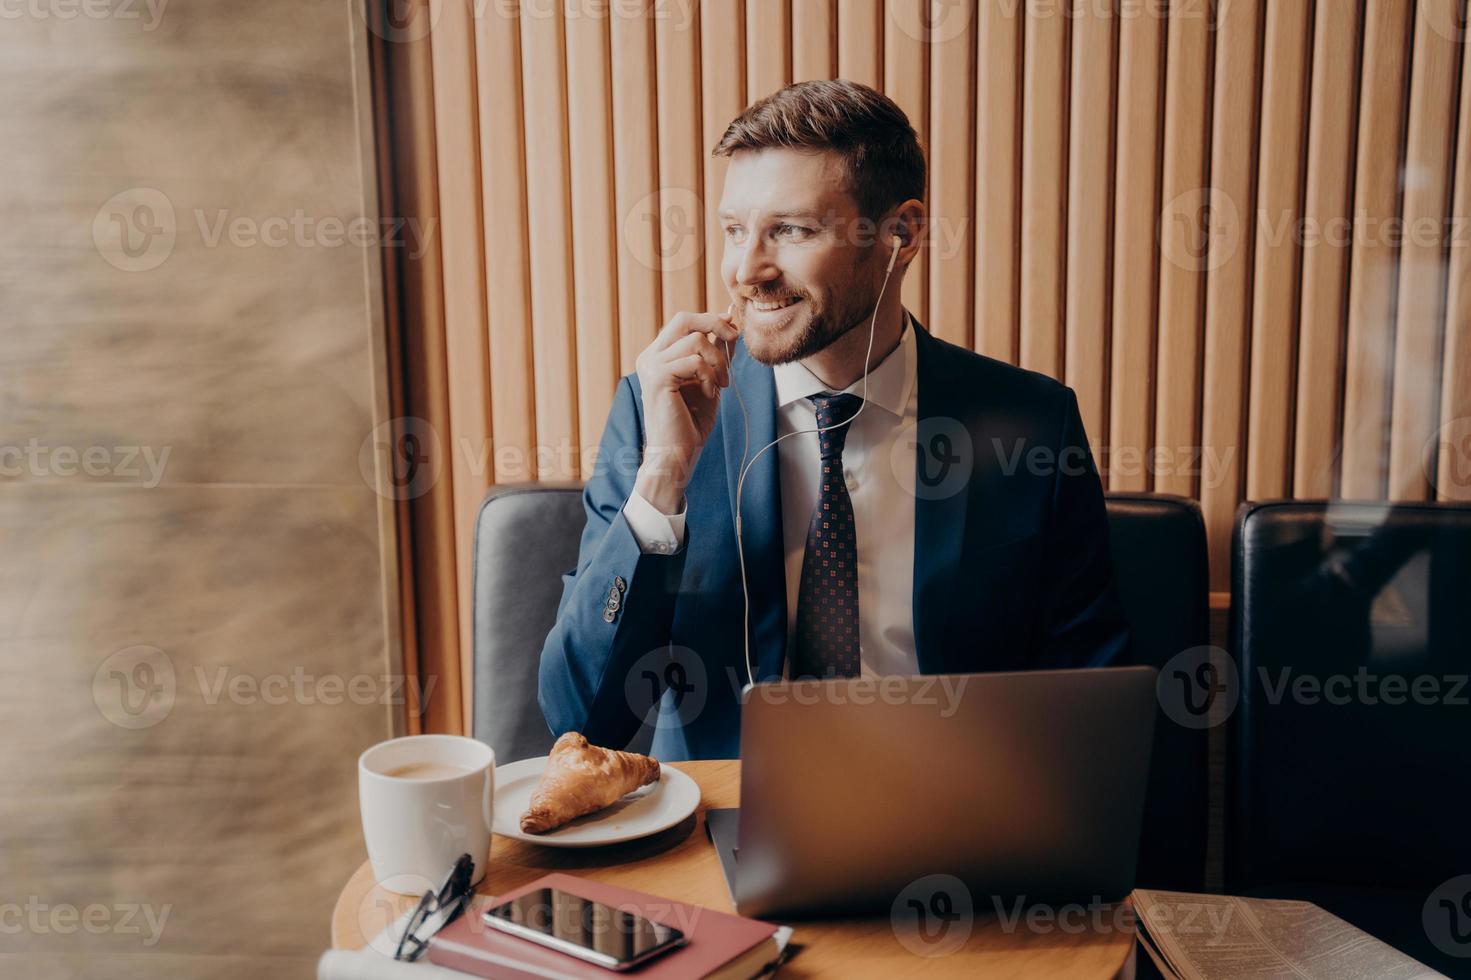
x=746, y=466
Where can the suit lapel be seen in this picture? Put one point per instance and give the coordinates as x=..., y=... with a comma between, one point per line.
x=939, y=516
x=761, y=532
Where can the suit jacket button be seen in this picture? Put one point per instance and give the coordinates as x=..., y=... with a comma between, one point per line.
x=609, y=615
x=614, y=603
x=619, y=584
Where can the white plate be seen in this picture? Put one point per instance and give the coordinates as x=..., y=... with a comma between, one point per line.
x=645, y=811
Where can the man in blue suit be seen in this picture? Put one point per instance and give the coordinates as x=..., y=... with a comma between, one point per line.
x=924, y=510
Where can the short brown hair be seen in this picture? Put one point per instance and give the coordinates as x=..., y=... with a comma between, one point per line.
x=865, y=127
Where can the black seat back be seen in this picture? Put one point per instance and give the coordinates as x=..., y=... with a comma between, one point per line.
x=1351, y=744
x=1162, y=577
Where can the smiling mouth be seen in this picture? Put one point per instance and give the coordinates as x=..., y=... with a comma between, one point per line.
x=771, y=306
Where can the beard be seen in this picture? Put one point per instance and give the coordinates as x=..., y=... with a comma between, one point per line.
x=851, y=305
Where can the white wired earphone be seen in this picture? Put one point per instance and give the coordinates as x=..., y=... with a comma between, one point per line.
x=746, y=448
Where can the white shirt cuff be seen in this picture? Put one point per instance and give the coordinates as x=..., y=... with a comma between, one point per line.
x=657, y=533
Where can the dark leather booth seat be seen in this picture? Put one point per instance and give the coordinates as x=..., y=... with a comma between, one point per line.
x=1351, y=743
x=1162, y=575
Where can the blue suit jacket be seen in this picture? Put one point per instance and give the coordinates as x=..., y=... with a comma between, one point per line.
x=1011, y=560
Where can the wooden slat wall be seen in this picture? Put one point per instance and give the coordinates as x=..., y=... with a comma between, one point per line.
x=814, y=40
x=1420, y=303
x=951, y=156
x=907, y=82
x=681, y=211
x=549, y=213
x=1183, y=236
x=1228, y=288
x=462, y=249
x=1089, y=260
x=1135, y=256
x=860, y=41
x=1374, y=268
x=723, y=96
x=1331, y=135
x=594, y=291
x=507, y=253
x=768, y=46
x=998, y=184
x=636, y=181
x=1193, y=219
x=1453, y=459
x=1276, y=261
x=1043, y=192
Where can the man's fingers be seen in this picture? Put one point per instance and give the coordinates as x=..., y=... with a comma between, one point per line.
x=693, y=369
x=710, y=350
x=684, y=324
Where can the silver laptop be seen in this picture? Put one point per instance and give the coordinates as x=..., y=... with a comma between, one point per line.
x=1022, y=785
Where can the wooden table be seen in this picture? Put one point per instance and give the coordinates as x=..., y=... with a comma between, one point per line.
x=681, y=864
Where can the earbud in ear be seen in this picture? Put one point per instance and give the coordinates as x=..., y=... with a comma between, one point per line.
x=893, y=255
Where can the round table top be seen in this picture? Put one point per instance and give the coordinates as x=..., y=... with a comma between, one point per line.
x=680, y=863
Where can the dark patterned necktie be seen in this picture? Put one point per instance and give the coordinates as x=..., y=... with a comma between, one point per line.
x=827, y=598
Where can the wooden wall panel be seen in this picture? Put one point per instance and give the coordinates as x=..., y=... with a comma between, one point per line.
x=722, y=97
x=907, y=82
x=1374, y=268
x=1090, y=212
x=1044, y=180
x=1420, y=300
x=507, y=251
x=1191, y=214
x=1183, y=236
x=998, y=181
x=1135, y=288
x=681, y=207
x=595, y=277
x=1332, y=122
x=952, y=180
x=814, y=40
x=462, y=244
x=1453, y=460
x=549, y=215
x=414, y=306
x=768, y=47
x=1229, y=286
x=1276, y=275
x=861, y=41
x=636, y=184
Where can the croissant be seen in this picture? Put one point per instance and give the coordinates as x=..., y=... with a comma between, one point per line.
x=581, y=778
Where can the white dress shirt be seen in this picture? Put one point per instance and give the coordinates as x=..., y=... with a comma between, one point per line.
x=875, y=454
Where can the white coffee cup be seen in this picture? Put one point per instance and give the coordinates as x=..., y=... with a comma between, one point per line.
x=425, y=800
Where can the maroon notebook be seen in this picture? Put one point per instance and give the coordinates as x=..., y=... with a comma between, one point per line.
x=714, y=938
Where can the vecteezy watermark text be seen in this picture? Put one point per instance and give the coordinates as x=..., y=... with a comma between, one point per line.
x=303, y=230
x=1362, y=687
x=302, y=688
x=127, y=463
x=1201, y=687
x=927, y=691
x=150, y=12
x=137, y=687
x=137, y=229
x=119, y=919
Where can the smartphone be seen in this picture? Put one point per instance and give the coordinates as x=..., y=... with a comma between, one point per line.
x=595, y=933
